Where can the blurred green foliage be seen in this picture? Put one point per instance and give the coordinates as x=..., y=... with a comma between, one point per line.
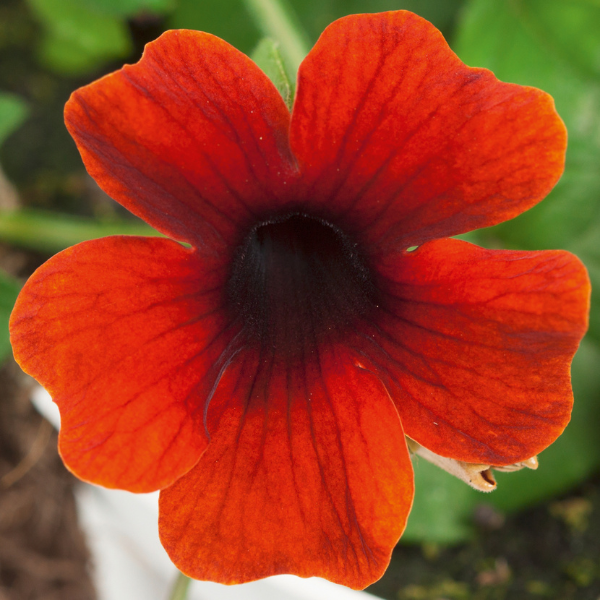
x=130, y=8
x=50, y=232
x=78, y=38
x=550, y=44
x=13, y=111
x=9, y=290
x=81, y=35
x=229, y=20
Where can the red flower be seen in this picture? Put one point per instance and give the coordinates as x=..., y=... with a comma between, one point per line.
x=265, y=379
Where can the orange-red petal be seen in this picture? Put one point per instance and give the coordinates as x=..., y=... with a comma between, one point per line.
x=193, y=138
x=398, y=138
x=124, y=334
x=307, y=472
x=475, y=347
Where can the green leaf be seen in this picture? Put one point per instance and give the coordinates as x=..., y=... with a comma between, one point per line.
x=52, y=232
x=522, y=42
x=227, y=19
x=9, y=290
x=276, y=19
x=267, y=56
x=130, y=8
x=77, y=39
x=13, y=111
x=66, y=56
x=587, y=247
x=570, y=30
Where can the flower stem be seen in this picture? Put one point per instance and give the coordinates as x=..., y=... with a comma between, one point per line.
x=276, y=19
x=51, y=232
x=180, y=588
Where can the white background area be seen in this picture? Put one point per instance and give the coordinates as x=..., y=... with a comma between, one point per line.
x=129, y=562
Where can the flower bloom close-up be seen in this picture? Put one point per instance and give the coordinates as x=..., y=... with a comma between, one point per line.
x=271, y=375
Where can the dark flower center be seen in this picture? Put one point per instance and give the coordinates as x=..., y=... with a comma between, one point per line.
x=298, y=280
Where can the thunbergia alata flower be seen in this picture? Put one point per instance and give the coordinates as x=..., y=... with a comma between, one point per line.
x=265, y=378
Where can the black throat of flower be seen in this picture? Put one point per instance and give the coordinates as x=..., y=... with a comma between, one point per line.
x=297, y=281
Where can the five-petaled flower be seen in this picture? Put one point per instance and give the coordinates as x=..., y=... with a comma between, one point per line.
x=265, y=378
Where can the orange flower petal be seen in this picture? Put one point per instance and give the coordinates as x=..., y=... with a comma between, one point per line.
x=193, y=138
x=408, y=143
x=307, y=472
x=475, y=347
x=283, y=337
x=119, y=333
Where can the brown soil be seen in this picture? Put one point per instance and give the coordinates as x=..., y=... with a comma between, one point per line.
x=43, y=555
x=549, y=552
